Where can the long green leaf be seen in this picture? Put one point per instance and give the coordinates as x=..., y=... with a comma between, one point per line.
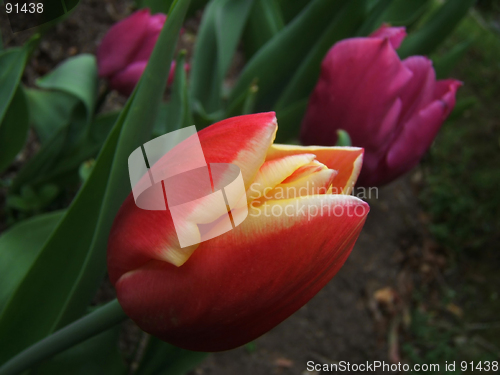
x=163, y=6
x=19, y=247
x=280, y=58
x=98, y=355
x=219, y=34
x=66, y=274
x=13, y=129
x=425, y=40
x=289, y=120
x=179, y=109
x=12, y=63
x=161, y=358
x=443, y=65
x=342, y=26
x=265, y=21
x=374, y=18
x=291, y=8
x=59, y=154
x=405, y=12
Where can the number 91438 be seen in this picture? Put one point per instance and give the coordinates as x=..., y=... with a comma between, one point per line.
x=24, y=8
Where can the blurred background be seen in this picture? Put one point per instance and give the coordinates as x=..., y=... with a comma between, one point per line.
x=422, y=284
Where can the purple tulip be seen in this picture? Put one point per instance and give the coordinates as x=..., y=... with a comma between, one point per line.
x=391, y=108
x=125, y=50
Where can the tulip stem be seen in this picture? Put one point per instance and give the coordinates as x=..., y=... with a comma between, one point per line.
x=86, y=327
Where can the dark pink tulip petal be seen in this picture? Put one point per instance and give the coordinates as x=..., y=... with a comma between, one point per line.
x=418, y=134
x=155, y=24
x=391, y=108
x=396, y=35
x=121, y=43
x=420, y=89
x=124, y=82
x=361, y=79
x=446, y=92
x=171, y=75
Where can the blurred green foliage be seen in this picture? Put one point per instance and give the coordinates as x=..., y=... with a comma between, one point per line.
x=461, y=169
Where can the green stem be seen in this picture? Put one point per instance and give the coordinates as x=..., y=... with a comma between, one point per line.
x=90, y=325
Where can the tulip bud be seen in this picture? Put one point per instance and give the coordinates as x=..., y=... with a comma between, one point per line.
x=391, y=108
x=125, y=50
x=227, y=291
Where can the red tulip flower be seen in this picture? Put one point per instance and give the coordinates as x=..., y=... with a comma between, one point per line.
x=229, y=290
x=391, y=108
x=125, y=50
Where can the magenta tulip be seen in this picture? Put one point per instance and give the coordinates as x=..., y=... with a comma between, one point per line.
x=125, y=50
x=391, y=108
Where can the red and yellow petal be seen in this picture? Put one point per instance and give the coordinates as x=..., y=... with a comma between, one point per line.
x=238, y=286
x=242, y=140
x=273, y=172
x=346, y=160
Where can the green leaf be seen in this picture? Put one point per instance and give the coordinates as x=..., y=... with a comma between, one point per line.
x=76, y=76
x=163, y=6
x=343, y=138
x=291, y=8
x=443, y=65
x=265, y=21
x=344, y=24
x=405, y=12
x=59, y=159
x=156, y=6
x=66, y=274
x=289, y=120
x=179, y=110
x=19, y=247
x=279, y=59
x=98, y=355
x=161, y=358
x=220, y=31
x=425, y=40
x=32, y=201
x=42, y=163
x=160, y=126
x=49, y=111
x=12, y=62
x=13, y=129
x=374, y=20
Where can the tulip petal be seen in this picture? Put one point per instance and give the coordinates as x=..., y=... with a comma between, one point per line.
x=419, y=91
x=418, y=133
x=282, y=261
x=446, y=92
x=305, y=171
x=125, y=81
x=273, y=172
x=315, y=183
x=396, y=35
x=241, y=140
x=360, y=80
x=121, y=43
x=346, y=160
x=155, y=24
